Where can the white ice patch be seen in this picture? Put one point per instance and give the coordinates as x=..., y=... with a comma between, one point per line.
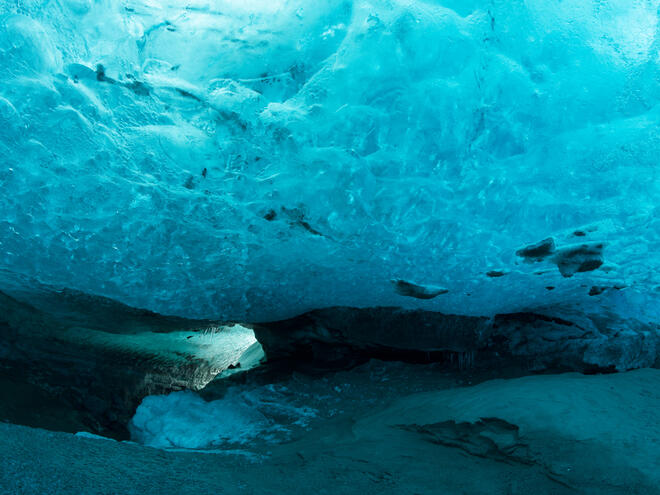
x=183, y=420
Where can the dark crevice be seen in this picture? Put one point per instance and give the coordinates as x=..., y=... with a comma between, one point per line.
x=102, y=385
x=529, y=317
x=343, y=337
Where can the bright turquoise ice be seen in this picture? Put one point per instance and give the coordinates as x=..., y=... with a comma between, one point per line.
x=345, y=144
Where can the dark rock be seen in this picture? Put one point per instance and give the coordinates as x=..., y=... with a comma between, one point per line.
x=552, y=342
x=270, y=215
x=305, y=225
x=580, y=258
x=539, y=251
x=138, y=87
x=297, y=218
x=409, y=289
x=596, y=290
x=495, y=273
x=100, y=74
x=188, y=94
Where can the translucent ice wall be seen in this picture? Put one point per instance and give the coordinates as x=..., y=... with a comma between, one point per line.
x=254, y=159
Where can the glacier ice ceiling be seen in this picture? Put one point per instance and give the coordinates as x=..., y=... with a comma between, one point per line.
x=356, y=246
x=255, y=160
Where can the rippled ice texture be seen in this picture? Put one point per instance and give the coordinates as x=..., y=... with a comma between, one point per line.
x=255, y=159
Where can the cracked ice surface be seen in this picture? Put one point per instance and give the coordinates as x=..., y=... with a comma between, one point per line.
x=254, y=160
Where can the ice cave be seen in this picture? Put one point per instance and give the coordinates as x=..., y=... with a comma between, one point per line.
x=330, y=247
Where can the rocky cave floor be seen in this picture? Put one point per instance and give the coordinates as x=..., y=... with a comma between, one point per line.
x=100, y=398
x=378, y=428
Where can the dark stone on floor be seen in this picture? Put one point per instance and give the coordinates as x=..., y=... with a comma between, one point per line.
x=489, y=438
